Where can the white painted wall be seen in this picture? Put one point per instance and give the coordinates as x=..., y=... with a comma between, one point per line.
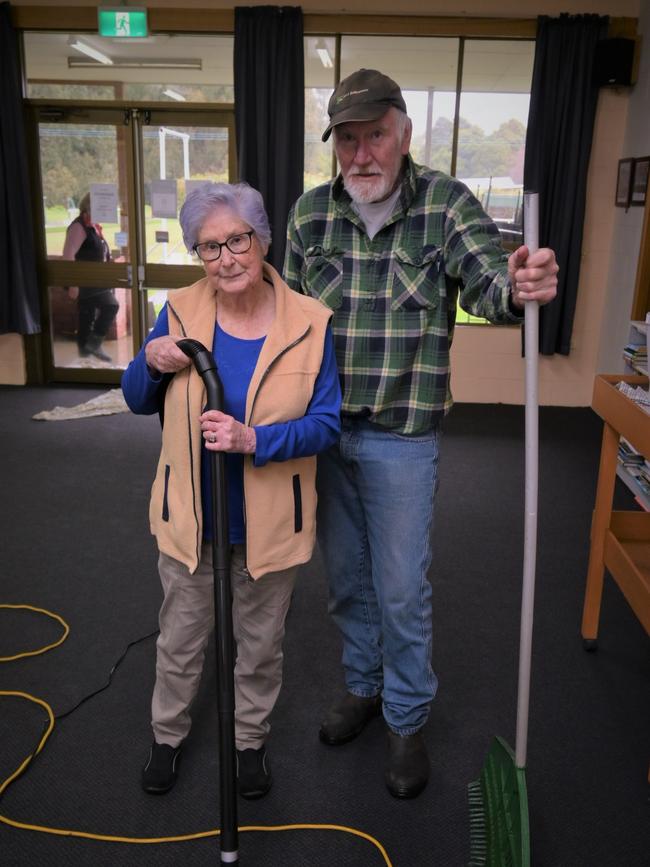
x=12, y=360
x=626, y=231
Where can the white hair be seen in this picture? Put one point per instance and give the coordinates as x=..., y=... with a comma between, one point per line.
x=404, y=123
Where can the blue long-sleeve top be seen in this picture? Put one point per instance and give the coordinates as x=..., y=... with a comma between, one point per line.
x=236, y=359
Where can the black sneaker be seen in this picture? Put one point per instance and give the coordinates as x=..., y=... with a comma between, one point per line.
x=160, y=772
x=253, y=773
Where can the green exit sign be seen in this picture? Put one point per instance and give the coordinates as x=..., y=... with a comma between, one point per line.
x=125, y=21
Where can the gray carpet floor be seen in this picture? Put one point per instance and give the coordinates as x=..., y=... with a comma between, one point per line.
x=75, y=541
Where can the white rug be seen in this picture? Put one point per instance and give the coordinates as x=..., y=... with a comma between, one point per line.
x=106, y=403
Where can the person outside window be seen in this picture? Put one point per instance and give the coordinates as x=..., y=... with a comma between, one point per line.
x=97, y=307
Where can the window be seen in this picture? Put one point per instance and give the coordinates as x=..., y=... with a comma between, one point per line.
x=492, y=129
x=426, y=69
x=319, y=84
x=162, y=67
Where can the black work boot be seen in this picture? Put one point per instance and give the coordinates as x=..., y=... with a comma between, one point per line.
x=348, y=717
x=160, y=772
x=407, y=768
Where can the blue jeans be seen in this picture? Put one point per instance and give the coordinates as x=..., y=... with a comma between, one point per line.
x=375, y=513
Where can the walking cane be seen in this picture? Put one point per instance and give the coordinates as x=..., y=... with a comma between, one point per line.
x=207, y=369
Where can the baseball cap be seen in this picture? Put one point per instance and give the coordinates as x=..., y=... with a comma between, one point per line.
x=366, y=94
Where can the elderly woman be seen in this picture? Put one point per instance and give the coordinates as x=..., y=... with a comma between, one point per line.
x=274, y=354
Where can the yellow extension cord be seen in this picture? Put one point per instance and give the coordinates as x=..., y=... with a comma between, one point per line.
x=109, y=838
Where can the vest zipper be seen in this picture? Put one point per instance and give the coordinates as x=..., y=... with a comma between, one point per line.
x=270, y=365
x=250, y=416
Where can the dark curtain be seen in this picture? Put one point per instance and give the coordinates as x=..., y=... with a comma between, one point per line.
x=270, y=110
x=19, y=304
x=558, y=144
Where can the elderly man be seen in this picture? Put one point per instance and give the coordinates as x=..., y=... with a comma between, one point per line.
x=390, y=246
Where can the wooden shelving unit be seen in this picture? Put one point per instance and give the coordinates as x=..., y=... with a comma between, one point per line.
x=620, y=540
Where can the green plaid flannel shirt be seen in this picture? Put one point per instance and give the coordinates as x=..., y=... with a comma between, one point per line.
x=394, y=297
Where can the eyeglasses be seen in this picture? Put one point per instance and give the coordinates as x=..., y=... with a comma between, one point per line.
x=209, y=251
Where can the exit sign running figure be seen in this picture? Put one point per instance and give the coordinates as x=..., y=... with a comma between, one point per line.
x=124, y=21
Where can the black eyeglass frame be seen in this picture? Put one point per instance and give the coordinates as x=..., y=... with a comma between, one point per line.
x=226, y=244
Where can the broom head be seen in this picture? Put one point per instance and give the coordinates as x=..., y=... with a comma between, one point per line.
x=498, y=805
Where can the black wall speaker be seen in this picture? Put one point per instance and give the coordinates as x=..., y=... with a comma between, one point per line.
x=613, y=62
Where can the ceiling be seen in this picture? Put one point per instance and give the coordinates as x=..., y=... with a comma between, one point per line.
x=417, y=63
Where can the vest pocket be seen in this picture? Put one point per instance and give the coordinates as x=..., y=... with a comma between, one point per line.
x=297, y=504
x=165, y=505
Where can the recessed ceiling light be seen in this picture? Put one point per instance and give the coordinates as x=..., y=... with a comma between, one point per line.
x=174, y=94
x=174, y=63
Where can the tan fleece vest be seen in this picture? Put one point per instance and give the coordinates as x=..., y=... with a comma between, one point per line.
x=280, y=498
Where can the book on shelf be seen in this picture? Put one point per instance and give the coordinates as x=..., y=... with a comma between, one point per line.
x=637, y=480
x=635, y=393
x=641, y=478
x=634, y=470
x=627, y=455
x=635, y=353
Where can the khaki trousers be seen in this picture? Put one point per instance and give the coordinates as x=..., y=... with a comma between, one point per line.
x=186, y=620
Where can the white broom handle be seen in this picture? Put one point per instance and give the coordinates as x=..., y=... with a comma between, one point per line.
x=531, y=326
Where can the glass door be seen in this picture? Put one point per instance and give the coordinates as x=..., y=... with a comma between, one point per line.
x=177, y=151
x=110, y=182
x=84, y=186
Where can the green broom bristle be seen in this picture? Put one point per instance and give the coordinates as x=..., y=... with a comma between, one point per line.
x=499, y=830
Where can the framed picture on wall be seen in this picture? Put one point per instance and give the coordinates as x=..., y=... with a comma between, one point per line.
x=624, y=182
x=639, y=181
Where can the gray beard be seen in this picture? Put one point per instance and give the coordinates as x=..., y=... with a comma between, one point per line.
x=368, y=193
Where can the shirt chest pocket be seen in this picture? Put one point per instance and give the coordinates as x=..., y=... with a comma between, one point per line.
x=322, y=276
x=416, y=280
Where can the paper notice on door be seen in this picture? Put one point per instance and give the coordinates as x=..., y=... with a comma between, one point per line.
x=164, y=199
x=103, y=203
